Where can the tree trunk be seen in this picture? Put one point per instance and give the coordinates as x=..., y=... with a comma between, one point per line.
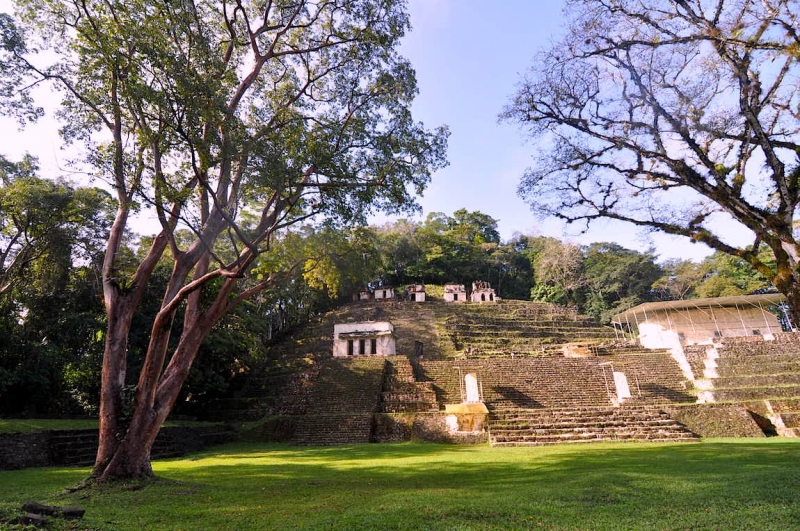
x=157, y=395
x=112, y=381
x=793, y=299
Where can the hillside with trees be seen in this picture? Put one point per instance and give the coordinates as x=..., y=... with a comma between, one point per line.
x=54, y=323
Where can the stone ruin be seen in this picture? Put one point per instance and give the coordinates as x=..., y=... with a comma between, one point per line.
x=416, y=293
x=455, y=293
x=363, y=339
x=482, y=292
x=384, y=293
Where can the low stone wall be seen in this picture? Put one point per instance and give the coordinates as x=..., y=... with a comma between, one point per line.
x=23, y=450
x=279, y=428
x=386, y=427
x=427, y=427
x=46, y=448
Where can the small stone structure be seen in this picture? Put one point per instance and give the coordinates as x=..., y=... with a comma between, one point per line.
x=416, y=293
x=674, y=324
x=482, y=292
x=470, y=415
x=455, y=293
x=384, y=292
x=362, y=294
x=363, y=339
x=577, y=350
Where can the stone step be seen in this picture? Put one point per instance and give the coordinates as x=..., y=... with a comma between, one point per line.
x=786, y=405
x=755, y=367
x=566, y=423
x=597, y=440
x=632, y=432
x=600, y=427
x=409, y=407
x=760, y=380
x=756, y=393
x=531, y=427
x=327, y=430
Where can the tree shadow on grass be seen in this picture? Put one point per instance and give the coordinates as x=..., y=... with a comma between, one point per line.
x=656, y=486
x=342, y=452
x=733, y=485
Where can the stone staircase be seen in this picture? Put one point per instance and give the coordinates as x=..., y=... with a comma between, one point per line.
x=346, y=395
x=520, y=427
x=764, y=375
x=401, y=391
x=518, y=329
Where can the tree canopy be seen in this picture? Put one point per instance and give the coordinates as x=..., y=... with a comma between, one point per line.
x=674, y=116
x=228, y=123
x=44, y=223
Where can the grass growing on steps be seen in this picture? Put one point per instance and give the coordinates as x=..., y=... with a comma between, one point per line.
x=718, y=484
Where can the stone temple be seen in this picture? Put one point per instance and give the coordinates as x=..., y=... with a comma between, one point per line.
x=509, y=372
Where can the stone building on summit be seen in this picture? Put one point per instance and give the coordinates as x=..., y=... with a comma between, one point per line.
x=455, y=293
x=482, y=292
x=363, y=339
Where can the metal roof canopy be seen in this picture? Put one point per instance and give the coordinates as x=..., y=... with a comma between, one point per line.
x=713, y=302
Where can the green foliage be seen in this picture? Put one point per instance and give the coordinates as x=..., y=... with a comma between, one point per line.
x=657, y=114
x=44, y=224
x=727, y=275
x=50, y=310
x=718, y=275
x=459, y=248
x=616, y=279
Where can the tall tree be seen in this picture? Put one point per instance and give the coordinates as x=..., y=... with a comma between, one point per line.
x=680, y=279
x=475, y=227
x=727, y=275
x=399, y=250
x=235, y=120
x=616, y=279
x=45, y=221
x=673, y=115
x=558, y=271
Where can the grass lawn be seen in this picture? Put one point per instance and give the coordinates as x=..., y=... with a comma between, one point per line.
x=716, y=484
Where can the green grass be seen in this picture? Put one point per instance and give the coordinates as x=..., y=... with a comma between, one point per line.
x=716, y=484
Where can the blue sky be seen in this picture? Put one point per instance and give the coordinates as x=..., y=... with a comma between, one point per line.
x=469, y=56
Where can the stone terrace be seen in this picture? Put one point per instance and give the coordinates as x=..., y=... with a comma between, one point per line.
x=516, y=328
x=653, y=375
x=570, y=425
x=763, y=375
x=283, y=384
x=553, y=399
x=345, y=397
x=515, y=348
x=546, y=382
